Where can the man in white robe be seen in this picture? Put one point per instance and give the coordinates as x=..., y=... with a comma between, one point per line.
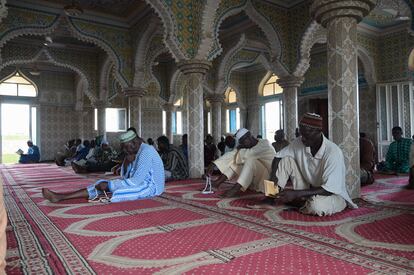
x=250, y=164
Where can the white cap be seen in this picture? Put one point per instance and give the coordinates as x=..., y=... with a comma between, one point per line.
x=240, y=133
x=104, y=141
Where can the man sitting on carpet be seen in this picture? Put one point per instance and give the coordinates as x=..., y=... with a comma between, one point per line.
x=33, y=154
x=251, y=163
x=142, y=175
x=175, y=163
x=397, y=160
x=316, y=168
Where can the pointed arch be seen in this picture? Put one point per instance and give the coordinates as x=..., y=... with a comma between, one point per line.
x=164, y=13
x=104, y=78
x=19, y=74
x=142, y=51
x=272, y=35
x=44, y=55
x=369, y=67
x=315, y=33
x=75, y=32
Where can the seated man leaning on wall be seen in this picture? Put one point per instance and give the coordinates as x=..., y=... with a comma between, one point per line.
x=397, y=160
x=33, y=154
x=316, y=168
x=142, y=176
x=251, y=163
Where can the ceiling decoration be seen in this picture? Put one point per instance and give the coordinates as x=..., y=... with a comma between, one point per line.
x=118, y=8
x=388, y=13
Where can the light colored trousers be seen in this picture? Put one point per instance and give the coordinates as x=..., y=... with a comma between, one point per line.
x=250, y=174
x=315, y=205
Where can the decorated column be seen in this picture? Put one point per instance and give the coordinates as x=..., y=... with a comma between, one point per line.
x=205, y=119
x=3, y=9
x=341, y=19
x=100, y=105
x=135, y=95
x=290, y=85
x=169, y=108
x=216, y=101
x=195, y=71
x=253, y=118
x=223, y=119
x=243, y=117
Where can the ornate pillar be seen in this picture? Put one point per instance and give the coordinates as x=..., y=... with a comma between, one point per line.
x=134, y=95
x=169, y=108
x=341, y=19
x=223, y=119
x=290, y=85
x=253, y=120
x=100, y=105
x=243, y=118
x=216, y=101
x=205, y=118
x=195, y=71
x=3, y=9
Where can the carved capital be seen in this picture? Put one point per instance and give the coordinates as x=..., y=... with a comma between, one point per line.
x=168, y=107
x=134, y=91
x=194, y=66
x=324, y=11
x=212, y=98
x=290, y=81
x=100, y=104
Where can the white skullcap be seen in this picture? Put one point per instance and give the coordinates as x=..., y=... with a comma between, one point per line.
x=240, y=133
x=105, y=141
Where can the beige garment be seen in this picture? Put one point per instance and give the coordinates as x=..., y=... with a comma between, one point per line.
x=3, y=224
x=250, y=166
x=315, y=205
x=412, y=155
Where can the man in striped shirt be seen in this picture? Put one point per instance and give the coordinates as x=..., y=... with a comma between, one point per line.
x=142, y=175
x=175, y=163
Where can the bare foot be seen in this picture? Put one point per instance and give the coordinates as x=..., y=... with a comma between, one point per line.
x=51, y=196
x=231, y=192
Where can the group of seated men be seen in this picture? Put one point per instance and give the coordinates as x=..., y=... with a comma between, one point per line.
x=88, y=156
x=314, y=165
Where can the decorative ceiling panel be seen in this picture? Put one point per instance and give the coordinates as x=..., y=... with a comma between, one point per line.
x=119, y=8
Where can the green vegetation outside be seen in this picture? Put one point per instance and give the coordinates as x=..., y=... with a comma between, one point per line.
x=9, y=147
x=14, y=137
x=10, y=158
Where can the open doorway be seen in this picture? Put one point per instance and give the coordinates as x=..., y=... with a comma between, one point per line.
x=18, y=125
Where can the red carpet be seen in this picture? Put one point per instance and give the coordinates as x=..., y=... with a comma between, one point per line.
x=184, y=231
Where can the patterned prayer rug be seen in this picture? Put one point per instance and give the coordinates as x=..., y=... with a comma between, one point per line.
x=184, y=231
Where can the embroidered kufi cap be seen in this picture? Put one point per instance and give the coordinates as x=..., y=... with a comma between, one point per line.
x=128, y=136
x=240, y=133
x=311, y=120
